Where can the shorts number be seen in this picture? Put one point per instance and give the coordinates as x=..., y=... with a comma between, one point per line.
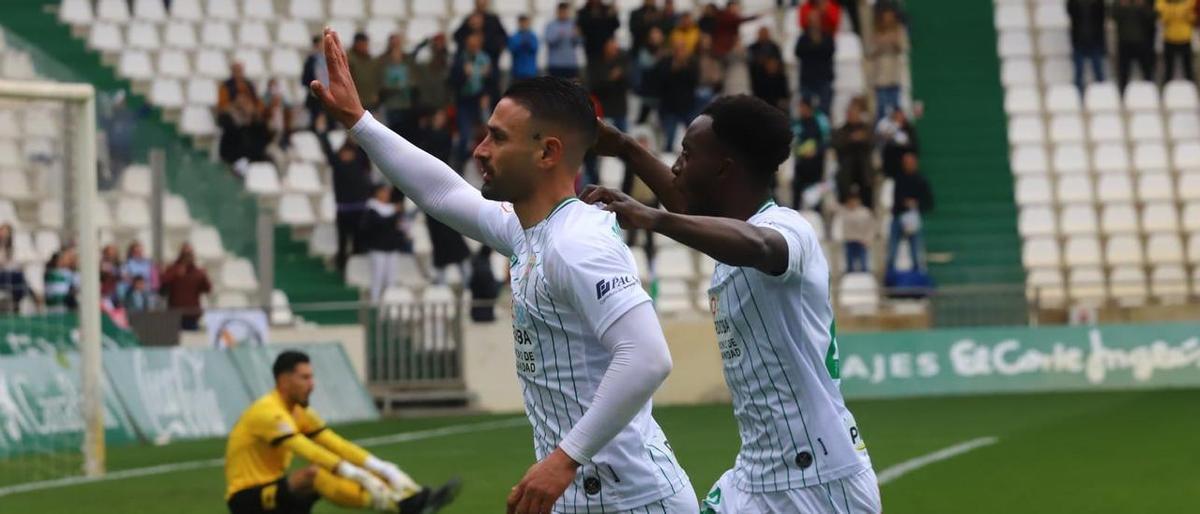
x=824, y=451
x=268, y=496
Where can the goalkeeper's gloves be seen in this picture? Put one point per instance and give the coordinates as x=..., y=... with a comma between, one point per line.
x=399, y=480
x=382, y=497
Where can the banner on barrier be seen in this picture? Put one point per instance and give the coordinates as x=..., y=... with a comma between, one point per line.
x=993, y=360
x=40, y=406
x=234, y=328
x=51, y=333
x=338, y=396
x=177, y=393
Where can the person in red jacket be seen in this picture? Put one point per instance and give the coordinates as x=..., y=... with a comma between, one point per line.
x=831, y=14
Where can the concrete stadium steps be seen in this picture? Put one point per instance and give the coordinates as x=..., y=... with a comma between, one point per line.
x=955, y=72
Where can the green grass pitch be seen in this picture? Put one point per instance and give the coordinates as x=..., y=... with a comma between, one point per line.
x=1119, y=452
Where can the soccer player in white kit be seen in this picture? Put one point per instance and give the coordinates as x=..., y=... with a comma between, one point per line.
x=802, y=451
x=589, y=349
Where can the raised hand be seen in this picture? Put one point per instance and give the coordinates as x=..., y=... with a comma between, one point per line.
x=340, y=97
x=609, y=140
x=630, y=213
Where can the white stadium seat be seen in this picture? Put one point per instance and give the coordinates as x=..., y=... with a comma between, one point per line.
x=142, y=35
x=207, y=242
x=327, y=207
x=1082, y=251
x=262, y=179
x=132, y=213
x=253, y=64
x=1189, y=186
x=50, y=213
x=309, y=10
x=1164, y=249
x=1066, y=128
x=1050, y=15
x=254, y=34
x=202, y=91
x=1053, y=43
x=1168, y=284
x=388, y=9
x=1127, y=285
x=323, y=241
x=211, y=63
x=166, y=93
x=1045, y=286
x=1102, y=97
x=307, y=147
x=1071, y=159
x=1056, y=70
x=217, y=34
x=1075, y=189
x=1018, y=72
x=175, y=212
x=302, y=177
x=353, y=9
x=1030, y=160
x=1015, y=43
x=16, y=185
x=1114, y=188
x=1035, y=221
x=186, y=10
x=1141, y=95
x=1026, y=130
x=1180, y=95
x=224, y=9
x=1087, y=285
x=106, y=37
x=1062, y=99
x=1041, y=252
x=1078, y=220
x=238, y=275
x=1123, y=250
x=1184, y=126
x=1155, y=187
x=112, y=10
x=296, y=209
x=1186, y=157
x=174, y=64
x=1110, y=159
x=23, y=249
x=1106, y=128
x=264, y=11
x=75, y=12
x=135, y=65
x=1150, y=157
x=135, y=180
x=1012, y=16
x=180, y=34
x=286, y=62
x=859, y=293
x=46, y=242
x=197, y=120
x=1119, y=218
x=1022, y=100
x=1194, y=250
x=1191, y=217
x=293, y=34
x=1145, y=127
x=1160, y=218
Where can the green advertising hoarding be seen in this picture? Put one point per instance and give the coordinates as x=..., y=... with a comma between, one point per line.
x=50, y=333
x=338, y=396
x=997, y=360
x=177, y=393
x=40, y=407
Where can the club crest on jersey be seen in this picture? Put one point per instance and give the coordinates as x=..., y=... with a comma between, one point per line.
x=605, y=287
x=712, y=304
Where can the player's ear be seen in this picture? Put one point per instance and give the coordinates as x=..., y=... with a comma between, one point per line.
x=551, y=152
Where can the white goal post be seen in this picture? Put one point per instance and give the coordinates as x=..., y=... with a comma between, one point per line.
x=81, y=99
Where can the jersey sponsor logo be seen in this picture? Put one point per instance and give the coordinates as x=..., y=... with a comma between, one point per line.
x=712, y=501
x=527, y=359
x=605, y=287
x=731, y=350
x=852, y=429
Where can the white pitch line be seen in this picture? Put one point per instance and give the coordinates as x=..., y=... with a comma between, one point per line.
x=401, y=437
x=948, y=452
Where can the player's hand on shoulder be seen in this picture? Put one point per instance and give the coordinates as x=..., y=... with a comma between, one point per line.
x=543, y=484
x=630, y=212
x=339, y=97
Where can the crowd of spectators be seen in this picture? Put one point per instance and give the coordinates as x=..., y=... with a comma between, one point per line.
x=1136, y=24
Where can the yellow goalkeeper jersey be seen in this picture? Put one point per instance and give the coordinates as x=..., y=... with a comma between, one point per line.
x=262, y=442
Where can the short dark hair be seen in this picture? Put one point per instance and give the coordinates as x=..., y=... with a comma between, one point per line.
x=556, y=100
x=757, y=132
x=562, y=5
x=360, y=36
x=287, y=361
x=522, y=17
x=316, y=39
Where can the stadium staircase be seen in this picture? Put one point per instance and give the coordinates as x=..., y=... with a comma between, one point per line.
x=971, y=235
x=222, y=201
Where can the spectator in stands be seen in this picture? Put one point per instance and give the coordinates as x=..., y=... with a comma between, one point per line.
x=110, y=271
x=240, y=114
x=562, y=37
x=814, y=49
x=912, y=198
x=686, y=33
x=315, y=68
x=365, y=70
x=853, y=144
x=119, y=122
x=641, y=20
x=449, y=247
x=707, y=22
x=888, y=48
x=137, y=265
x=649, y=88
x=1087, y=38
x=1136, y=24
x=763, y=48
x=712, y=73
x=396, y=87
x=351, y=169
x=138, y=297
x=727, y=29
x=1178, y=18
x=608, y=79
x=485, y=22
x=61, y=280
x=384, y=237
x=484, y=287
x=669, y=18
x=737, y=72
x=680, y=74
x=469, y=76
x=277, y=115
x=183, y=283
x=12, y=279
x=598, y=22
x=858, y=231
x=524, y=48
x=811, y=130
x=828, y=12
x=897, y=137
x=772, y=84
x=431, y=76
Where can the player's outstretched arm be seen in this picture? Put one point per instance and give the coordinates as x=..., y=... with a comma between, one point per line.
x=642, y=161
x=428, y=181
x=640, y=363
x=355, y=454
x=733, y=242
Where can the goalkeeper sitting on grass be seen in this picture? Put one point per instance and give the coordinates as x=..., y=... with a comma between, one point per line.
x=281, y=423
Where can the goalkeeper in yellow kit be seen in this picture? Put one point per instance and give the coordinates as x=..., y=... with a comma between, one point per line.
x=281, y=423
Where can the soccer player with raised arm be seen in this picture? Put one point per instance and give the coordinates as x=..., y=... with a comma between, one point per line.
x=281, y=424
x=801, y=448
x=589, y=349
